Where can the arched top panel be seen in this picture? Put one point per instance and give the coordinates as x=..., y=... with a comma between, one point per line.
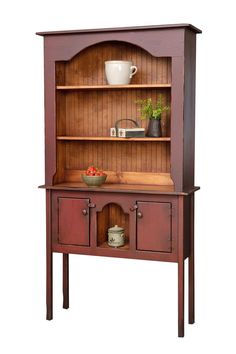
x=115, y=43
x=87, y=67
x=164, y=43
x=103, y=205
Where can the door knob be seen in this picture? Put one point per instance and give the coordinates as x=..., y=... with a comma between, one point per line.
x=139, y=214
x=84, y=212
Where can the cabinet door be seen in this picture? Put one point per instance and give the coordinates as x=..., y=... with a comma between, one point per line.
x=154, y=226
x=73, y=225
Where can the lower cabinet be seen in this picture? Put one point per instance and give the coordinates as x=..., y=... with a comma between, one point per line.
x=73, y=221
x=83, y=219
x=154, y=226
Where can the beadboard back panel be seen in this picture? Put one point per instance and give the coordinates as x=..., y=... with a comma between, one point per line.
x=130, y=156
x=87, y=68
x=92, y=112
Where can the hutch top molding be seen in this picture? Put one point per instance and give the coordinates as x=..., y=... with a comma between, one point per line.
x=117, y=29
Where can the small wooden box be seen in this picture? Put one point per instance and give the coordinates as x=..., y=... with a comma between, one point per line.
x=131, y=133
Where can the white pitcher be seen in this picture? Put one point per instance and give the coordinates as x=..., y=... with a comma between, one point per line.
x=119, y=72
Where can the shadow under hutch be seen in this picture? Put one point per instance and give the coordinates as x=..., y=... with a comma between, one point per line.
x=150, y=188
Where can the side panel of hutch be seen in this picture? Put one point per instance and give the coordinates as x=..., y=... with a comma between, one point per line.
x=150, y=185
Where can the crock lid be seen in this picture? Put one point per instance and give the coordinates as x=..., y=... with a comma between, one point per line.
x=116, y=228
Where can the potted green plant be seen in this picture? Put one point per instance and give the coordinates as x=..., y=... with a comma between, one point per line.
x=152, y=111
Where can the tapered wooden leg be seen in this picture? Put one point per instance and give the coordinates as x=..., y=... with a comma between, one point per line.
x=65, y=281
x=49, y=260
x=181, y=299
x=181, y=268
x=191, y=290
x=49, y=287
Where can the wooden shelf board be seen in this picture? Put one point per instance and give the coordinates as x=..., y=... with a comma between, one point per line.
x=108, y=138
x=111, y=87
x=119, y=188
x=122, y=248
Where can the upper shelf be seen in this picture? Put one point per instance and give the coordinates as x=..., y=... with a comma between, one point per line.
x=109, y=87
x=108, y=138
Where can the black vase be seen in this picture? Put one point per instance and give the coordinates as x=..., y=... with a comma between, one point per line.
x=154, y=128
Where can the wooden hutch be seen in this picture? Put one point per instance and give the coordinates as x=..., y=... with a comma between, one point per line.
x=150, y=185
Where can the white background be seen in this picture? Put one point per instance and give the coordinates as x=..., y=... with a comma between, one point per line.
x=117, y=306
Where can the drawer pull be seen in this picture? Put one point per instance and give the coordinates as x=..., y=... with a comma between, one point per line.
x=139, y=214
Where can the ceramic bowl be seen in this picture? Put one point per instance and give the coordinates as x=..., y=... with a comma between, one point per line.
x=94, y=181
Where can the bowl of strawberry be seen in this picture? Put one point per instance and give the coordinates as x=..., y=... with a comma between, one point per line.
x=93, y=177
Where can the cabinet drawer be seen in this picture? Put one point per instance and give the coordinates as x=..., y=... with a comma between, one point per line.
x=154, y=226
x=73, y=221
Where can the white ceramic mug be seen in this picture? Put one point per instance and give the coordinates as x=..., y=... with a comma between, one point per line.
x=119, y=72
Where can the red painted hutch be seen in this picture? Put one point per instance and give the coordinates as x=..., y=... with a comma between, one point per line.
x=150, y=185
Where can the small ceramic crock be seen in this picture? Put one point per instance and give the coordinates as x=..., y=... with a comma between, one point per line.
x=116, y=236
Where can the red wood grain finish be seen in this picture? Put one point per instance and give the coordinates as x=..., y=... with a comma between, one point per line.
x=191, y=266
x=154, y=226
x=73, y=228
x=189, y=108
x=106, y=213
x=118, y=29
x=49, y=257
x=65, y=280
x=181, y=266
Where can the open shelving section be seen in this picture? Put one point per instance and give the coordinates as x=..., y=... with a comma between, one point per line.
x=112, y=214
x=86, y=109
